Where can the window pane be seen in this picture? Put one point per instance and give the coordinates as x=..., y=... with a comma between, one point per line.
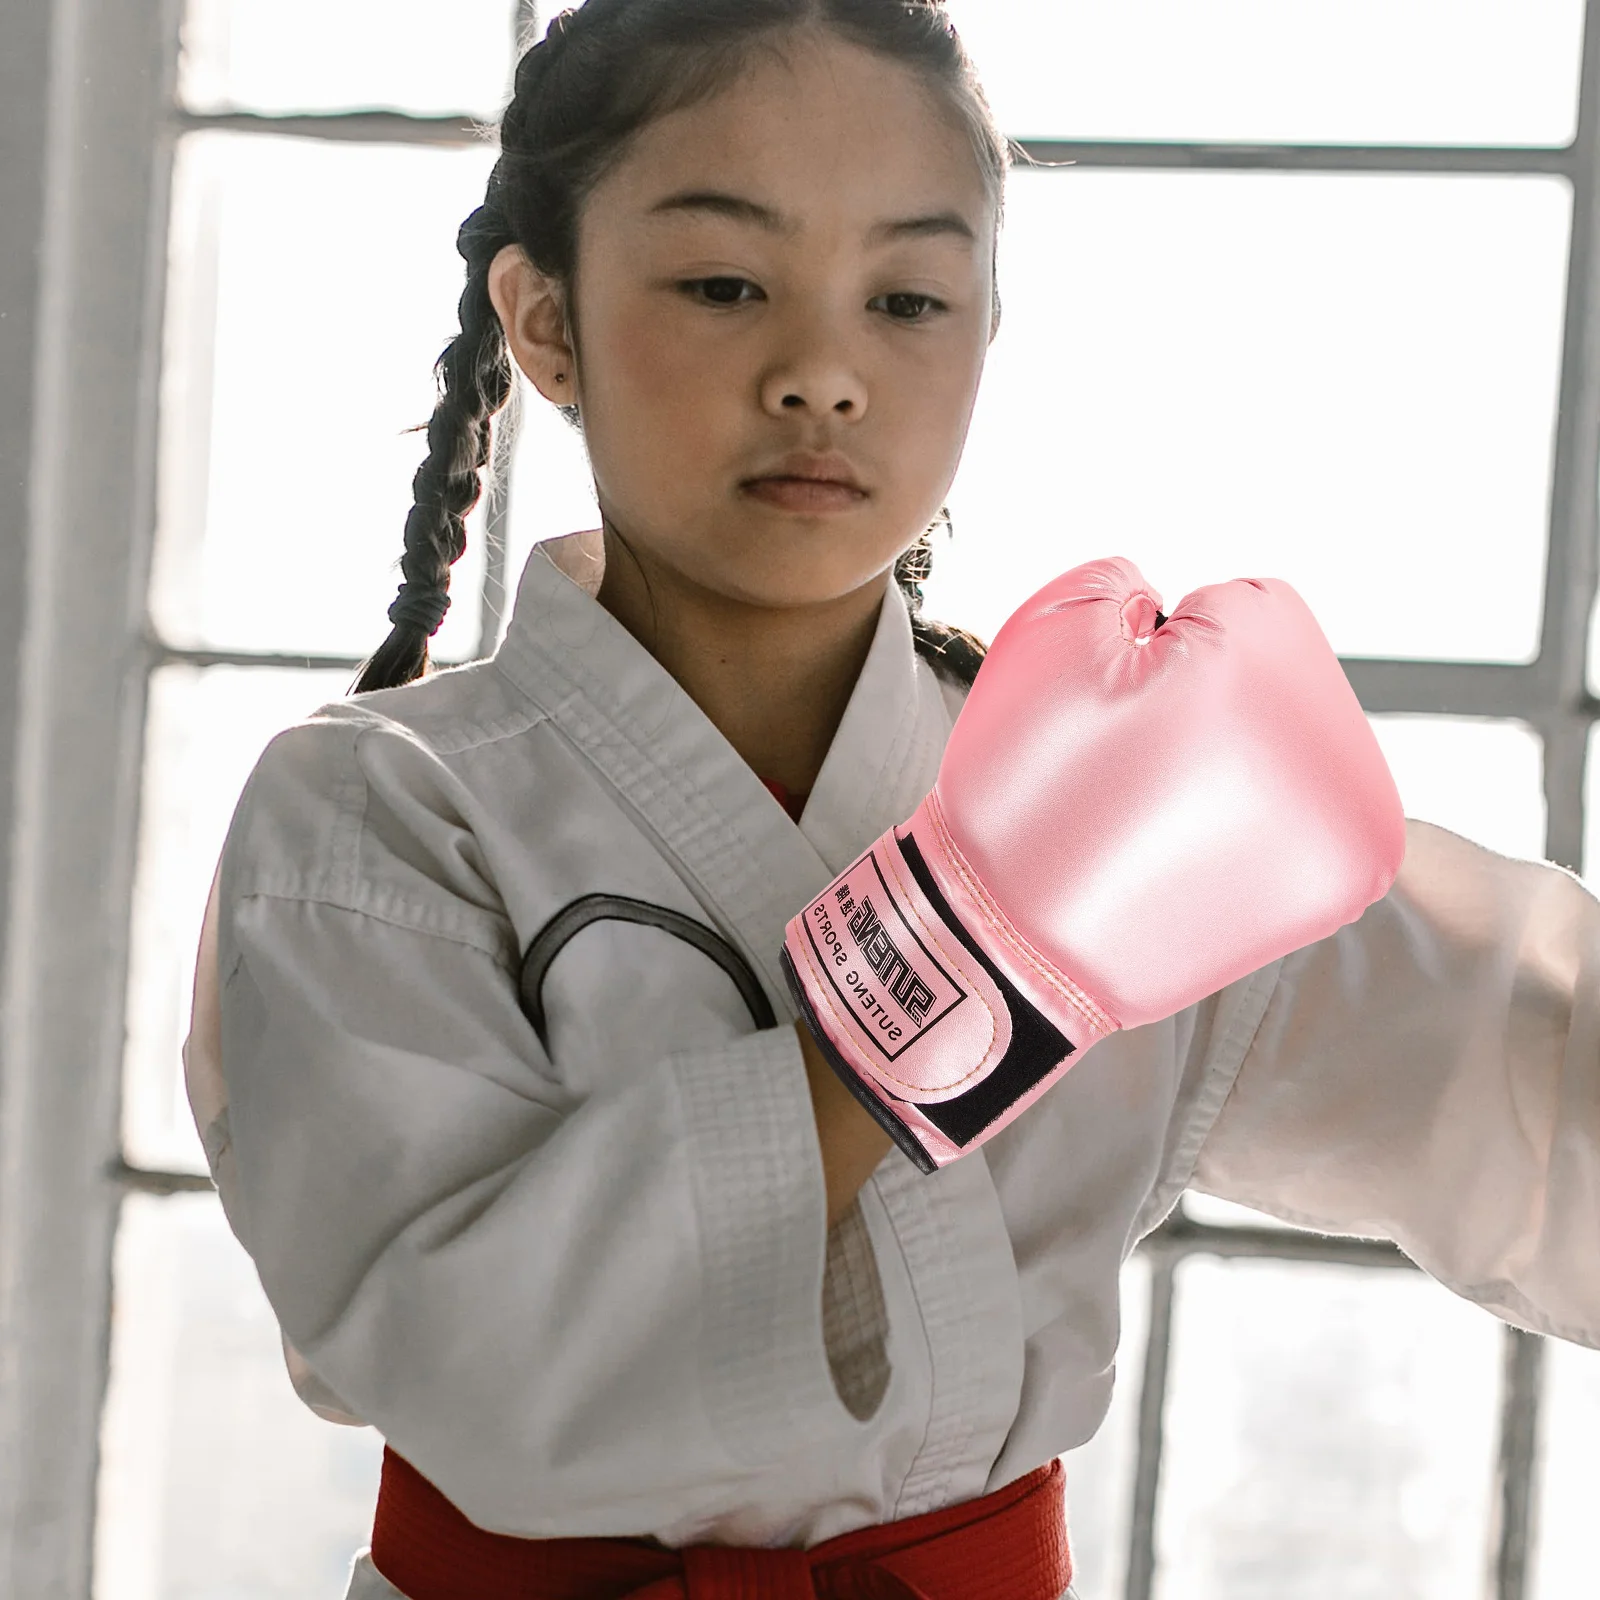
x=313, y=286
x=1217, y=1213
x=1593, y=673
x=1569, y=1472
x=1480, y=778
x=1100, y=1473
x=1345, y=381
x=1330, y=1430
x=203, y=733
x=337, y=55
x=1263, y=72
x=1591, y=812
x=214, y=1479
x=552, y=485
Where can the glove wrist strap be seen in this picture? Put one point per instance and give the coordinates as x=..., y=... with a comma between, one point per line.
x=943, y=1040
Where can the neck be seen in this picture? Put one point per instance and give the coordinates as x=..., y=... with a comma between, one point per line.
x=774, y=682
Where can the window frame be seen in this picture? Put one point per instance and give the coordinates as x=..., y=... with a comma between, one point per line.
x=88, y=160
x=89, y=115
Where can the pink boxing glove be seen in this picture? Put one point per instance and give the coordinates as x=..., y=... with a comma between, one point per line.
x=1131, y=812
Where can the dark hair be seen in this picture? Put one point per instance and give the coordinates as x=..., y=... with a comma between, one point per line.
x=601, y=73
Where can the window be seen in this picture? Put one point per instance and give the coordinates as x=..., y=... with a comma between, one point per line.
x=1307, y=289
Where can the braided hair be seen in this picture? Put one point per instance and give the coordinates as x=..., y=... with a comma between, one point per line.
x=602, y=72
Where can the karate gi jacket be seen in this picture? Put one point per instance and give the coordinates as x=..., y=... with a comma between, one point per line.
x=568, y=1252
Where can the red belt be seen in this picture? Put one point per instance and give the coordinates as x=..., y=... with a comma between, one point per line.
x=1009, y=1545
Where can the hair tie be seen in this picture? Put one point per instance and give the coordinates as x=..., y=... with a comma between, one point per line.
x=416, y=606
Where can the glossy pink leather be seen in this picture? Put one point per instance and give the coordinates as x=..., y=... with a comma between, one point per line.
x=1126, y=819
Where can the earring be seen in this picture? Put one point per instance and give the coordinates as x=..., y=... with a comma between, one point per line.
x=561, y=377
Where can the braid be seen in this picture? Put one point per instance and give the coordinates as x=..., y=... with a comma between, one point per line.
x=474, y=374
x=951, y=651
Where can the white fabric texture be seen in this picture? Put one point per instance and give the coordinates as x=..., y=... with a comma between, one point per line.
x=591, y=1290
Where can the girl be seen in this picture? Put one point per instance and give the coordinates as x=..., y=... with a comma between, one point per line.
x=492, y=1053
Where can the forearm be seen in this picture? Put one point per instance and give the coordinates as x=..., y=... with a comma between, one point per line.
x=852, y=1143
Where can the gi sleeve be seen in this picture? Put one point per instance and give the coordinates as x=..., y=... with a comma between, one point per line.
x=1430, y=1074
x=574, y=1318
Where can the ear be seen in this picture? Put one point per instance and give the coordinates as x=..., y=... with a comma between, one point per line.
x=532, y=311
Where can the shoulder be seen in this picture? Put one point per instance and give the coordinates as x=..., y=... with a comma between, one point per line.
x=449, y=712
x=372, y=804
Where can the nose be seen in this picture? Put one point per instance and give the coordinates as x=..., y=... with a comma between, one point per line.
x=821, y=375
x=794, y=398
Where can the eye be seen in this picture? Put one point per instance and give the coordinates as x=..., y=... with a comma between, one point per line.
x=690, y=285
x=926, y=299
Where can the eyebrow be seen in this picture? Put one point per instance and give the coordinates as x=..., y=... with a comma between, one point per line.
x=714, y=202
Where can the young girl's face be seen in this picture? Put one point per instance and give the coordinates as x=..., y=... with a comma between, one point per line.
x=813, y=332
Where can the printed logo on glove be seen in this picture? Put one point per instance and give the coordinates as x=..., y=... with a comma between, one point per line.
x=1132, y=812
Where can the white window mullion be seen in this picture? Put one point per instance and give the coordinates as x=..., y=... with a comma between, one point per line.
x=101, y=154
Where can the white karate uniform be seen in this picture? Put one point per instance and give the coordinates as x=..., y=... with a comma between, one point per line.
x=587, y=1287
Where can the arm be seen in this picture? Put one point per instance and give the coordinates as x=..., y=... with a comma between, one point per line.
x=852, y=1143
x=1431, y=1074
x=536, y=1299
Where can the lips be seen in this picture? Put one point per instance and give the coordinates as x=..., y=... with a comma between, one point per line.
x=810, y=468
x=809, y=496
x=831, y=483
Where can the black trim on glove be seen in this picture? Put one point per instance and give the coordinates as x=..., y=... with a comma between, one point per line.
x=1037, y=1046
